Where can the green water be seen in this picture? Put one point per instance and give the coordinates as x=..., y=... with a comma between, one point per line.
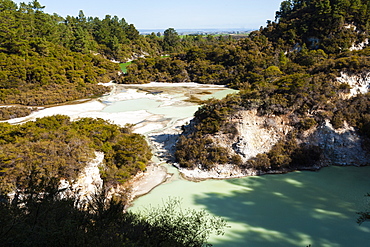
x=294, y=209
x=132, y=105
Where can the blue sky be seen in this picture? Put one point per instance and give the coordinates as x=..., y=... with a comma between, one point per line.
x=162, y=14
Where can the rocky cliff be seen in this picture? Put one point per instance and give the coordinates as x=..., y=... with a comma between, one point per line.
x=339, y=146
x=258, y=134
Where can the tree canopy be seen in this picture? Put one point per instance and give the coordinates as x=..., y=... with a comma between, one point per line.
x=57, y=148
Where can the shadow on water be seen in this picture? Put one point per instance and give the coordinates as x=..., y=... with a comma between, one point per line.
x=295, y=209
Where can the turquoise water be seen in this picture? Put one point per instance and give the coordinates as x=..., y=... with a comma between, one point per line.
x=132, y=105
x=294, y=209
x=155, y=106
x=175, y=112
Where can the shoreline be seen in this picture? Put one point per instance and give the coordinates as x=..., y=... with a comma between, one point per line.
x=190, y=174
x=144, y=182
x=160, y=128
x=162, y=136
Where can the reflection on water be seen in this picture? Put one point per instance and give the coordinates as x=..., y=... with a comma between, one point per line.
x=295, y=209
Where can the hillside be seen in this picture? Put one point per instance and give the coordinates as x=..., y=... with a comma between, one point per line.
x=47, y=59
x=301, y=104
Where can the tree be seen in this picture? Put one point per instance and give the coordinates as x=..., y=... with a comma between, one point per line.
x=189, y=227
x=7, y=5
x=285, y=9
x=132, y=33
x=170, y=40
x=53, y=219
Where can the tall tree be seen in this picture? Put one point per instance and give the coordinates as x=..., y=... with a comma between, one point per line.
x=171, y=40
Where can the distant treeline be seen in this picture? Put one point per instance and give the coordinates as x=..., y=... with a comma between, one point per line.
x=306, y=34
x=47, y=59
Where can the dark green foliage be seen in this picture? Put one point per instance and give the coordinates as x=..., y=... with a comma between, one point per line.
x=47, y=59
x=213, y=115
x=195, y=150
x=328, y=24
x=286, y=155
x=356, y=112
x=170, y=40
x=307, y=123
x=261, y=162
x=54, y=147
x=48, y=219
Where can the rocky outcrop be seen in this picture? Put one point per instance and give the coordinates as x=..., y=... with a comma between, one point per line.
x=217, y=172
x=256, y=134
x=339, y=146
x=359, y=83
x=88, y=182
x=359, y=46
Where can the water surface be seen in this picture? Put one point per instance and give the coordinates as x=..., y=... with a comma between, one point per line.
x=132, y=105
x=294, y=209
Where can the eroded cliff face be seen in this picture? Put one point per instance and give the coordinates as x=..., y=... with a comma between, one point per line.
x=88, y=183
x=256, y=134
x=253, y=134
x=339, y=146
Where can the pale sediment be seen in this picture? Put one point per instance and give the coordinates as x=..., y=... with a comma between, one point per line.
x=217, y=172
x=144, y=182
x=161, y=130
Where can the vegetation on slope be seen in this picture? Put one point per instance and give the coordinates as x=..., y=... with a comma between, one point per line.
x=288, y=68
x=40, y=61
x=46, y=59
x=278, y=76
x=15, y=112
x=331, y=25
x=56, y=148
x=35, y=156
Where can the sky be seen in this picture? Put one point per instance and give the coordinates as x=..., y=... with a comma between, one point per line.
x=162, y=14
